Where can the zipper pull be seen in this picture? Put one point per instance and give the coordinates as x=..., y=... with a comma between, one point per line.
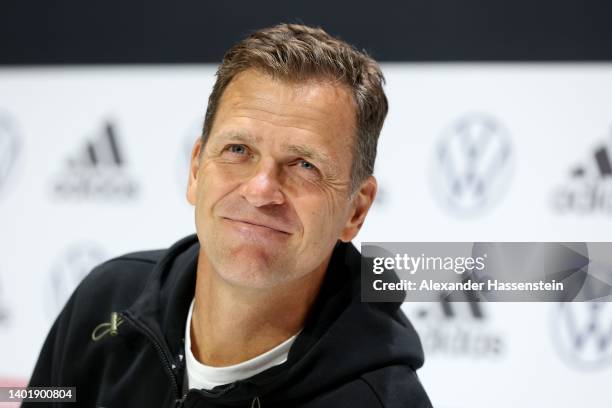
x=114, y=322
x=107, y=328
x=178, y=403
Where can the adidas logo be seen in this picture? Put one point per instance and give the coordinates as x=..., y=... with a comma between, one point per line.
x=588, y=189
x=474, y=309
x=460, y=305
x=97, y=171
x=457, y=328
x=602, y=168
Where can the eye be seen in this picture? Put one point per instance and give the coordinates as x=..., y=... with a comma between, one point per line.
x=307, y=165
x=237, y=149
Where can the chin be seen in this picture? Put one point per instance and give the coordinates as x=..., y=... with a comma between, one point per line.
x=252, y=268
x=252, y=279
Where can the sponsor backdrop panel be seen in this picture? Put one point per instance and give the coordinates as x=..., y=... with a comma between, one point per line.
x=93, y=163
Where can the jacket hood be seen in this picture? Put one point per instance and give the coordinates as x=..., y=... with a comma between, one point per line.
x=342, y=339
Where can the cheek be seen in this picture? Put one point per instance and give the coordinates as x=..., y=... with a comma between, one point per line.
x=231, y=170
x=213, y=185
x=323, y=218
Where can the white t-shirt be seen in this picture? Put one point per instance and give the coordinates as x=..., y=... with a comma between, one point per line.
x=202, y=376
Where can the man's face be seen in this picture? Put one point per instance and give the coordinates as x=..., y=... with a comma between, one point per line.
x=271, y=188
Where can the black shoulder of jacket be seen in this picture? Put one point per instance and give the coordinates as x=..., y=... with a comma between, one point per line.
x=118, y=281
x=152, y=256
x=396, y=386
x=110, y=286
x=131, y=269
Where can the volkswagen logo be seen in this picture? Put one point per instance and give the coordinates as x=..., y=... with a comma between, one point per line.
x=582, y=332
x=472, y=164
x=69, y=270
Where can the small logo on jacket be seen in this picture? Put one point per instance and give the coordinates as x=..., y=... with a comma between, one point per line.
x=472, y=164
x=588, y=188
x=97, y=171
x=10, y=147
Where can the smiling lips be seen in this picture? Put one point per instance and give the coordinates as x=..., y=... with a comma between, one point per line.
x=256, y=223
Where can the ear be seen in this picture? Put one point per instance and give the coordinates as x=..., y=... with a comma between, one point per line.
x=361, y=204
x=194, y=166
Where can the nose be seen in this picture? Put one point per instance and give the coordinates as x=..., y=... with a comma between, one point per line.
x=264, y=187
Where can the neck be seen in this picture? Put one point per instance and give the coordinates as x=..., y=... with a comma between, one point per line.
x=255, y=320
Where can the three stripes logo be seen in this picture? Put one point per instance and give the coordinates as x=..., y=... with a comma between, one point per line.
x=457, y=329
x=589, y=187
x=97, y=171
x=454, y=310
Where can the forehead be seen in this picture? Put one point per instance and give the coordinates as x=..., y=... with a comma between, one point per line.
x=316, y=111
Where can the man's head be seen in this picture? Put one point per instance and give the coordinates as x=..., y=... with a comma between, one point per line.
x=284, y=165
x=295, y=53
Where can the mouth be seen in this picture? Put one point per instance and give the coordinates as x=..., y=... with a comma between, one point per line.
x=266, y=226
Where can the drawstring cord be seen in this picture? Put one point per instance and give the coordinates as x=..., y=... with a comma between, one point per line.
x=107, y=328
x=255, y=403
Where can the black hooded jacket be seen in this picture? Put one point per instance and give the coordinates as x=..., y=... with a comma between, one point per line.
x=349, y=353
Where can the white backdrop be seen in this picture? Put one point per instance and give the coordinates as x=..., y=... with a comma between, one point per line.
x=93, y=163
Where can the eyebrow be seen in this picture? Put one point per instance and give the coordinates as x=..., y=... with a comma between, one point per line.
x=242, y=137
x=303, y=151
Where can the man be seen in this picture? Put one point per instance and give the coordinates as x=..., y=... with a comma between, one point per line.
x=263, y=307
